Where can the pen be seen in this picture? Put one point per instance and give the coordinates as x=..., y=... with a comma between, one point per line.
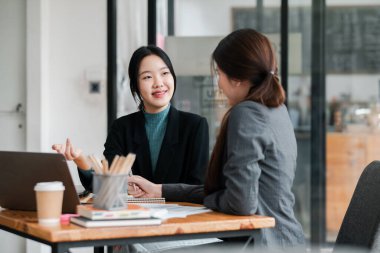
x=131, y=174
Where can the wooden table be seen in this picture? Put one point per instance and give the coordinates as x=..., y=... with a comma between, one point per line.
x=65, y=236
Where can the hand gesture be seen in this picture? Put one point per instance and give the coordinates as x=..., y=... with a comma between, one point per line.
x=68, y=150
x=72, y=154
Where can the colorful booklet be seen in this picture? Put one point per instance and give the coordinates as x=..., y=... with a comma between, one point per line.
x=132, y=212
x=84, y=222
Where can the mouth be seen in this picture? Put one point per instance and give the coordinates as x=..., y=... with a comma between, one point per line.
x=159, y=93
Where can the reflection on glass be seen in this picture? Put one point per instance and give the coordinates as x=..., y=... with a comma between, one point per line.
x=196, y=91
x=198, y=94
x=352, y=106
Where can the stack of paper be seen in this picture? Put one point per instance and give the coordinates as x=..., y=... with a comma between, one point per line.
x=134, y=215
x=175, y=210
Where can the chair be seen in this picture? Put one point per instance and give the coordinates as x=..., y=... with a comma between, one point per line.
x=362, y=217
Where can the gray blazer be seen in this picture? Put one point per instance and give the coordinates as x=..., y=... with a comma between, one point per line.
x=258, y=173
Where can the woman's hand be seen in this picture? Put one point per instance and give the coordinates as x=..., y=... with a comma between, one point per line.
x=68, y=150
x=135, y=191
x=72, y=154
x=145, y=188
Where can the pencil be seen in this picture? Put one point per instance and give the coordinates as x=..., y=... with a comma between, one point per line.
x=95, y=164
x=113, y=164
x=105, y=166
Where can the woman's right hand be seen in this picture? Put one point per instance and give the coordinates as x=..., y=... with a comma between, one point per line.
x=72, y=154
x=145, y=188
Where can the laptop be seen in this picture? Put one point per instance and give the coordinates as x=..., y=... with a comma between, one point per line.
x=20, y=171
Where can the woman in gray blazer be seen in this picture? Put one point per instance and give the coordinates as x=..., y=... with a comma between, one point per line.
x=253, y=163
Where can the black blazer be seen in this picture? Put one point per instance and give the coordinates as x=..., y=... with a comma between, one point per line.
x=184, y=150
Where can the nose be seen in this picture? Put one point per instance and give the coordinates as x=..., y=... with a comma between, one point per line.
x=158, y=82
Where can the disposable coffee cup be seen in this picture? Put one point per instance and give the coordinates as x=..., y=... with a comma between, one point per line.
x=49, y=196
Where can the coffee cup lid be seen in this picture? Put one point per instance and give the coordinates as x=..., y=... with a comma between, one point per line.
x=49, y=186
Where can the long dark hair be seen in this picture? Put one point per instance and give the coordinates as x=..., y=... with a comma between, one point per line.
x=244, y=55
x=134, y=67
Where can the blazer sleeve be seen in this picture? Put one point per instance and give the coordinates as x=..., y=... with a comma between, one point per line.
x=183, y=193
x=199, y=154
x=85, y=177
x=245, y=142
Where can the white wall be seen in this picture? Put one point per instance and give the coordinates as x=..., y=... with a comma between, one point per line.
x=12, y=91
x=12, y=74
x=73, y=52
x=66, y=48
x=77, y=34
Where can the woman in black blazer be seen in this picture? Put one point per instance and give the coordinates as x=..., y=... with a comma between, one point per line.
x=171, y=146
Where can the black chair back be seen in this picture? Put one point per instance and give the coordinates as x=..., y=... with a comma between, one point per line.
x=362, y=217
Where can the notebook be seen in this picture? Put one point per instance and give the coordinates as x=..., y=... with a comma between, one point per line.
x=20, y=171
x=131, y=212
x=82, y=221
x=130, y=199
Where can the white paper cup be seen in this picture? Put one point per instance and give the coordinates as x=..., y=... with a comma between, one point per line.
x=49, y=196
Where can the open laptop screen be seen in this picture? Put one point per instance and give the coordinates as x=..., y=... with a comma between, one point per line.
x=20, y=171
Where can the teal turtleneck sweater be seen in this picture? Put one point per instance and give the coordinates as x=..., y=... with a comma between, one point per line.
x=155, y=127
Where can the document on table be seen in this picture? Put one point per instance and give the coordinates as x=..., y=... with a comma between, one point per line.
x=175, y=210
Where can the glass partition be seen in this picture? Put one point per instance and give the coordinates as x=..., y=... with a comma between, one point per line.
x=352, y=101
x=189, y=30
x=299, y=94
x=198, y=29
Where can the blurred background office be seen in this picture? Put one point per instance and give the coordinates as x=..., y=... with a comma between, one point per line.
x=63, y=74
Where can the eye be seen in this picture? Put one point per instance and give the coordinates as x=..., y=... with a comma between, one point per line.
x=166, y=73
x=146, y=77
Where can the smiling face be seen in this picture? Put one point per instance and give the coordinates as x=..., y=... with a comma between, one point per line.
x=156, y=84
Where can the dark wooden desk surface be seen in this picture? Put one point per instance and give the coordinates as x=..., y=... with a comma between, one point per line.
x=25, y=223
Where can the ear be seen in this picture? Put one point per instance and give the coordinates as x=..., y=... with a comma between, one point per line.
x=235, y=82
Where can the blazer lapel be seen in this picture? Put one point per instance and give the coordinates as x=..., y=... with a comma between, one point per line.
x=142, y=148
x=167, y=151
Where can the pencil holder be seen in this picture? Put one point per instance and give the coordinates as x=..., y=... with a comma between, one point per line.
x=108, y=190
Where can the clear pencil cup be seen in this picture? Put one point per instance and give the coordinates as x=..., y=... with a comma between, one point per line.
x=109, y=190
